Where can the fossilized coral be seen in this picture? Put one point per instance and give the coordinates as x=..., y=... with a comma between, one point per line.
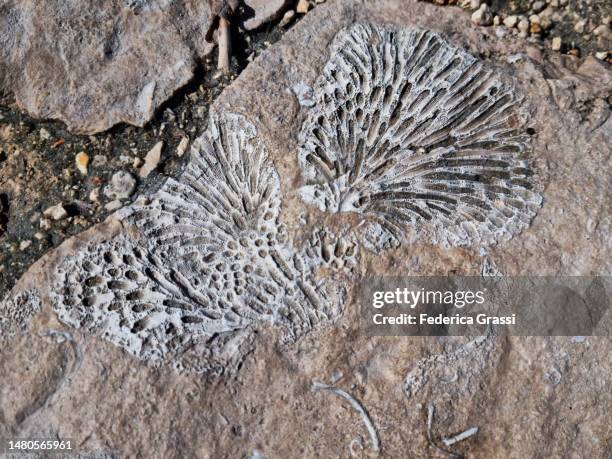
x=17, y=312
x=213, y=260
x=410, y=131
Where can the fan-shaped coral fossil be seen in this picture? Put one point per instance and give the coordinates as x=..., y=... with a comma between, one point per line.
x=412, y=132
x=212, y=262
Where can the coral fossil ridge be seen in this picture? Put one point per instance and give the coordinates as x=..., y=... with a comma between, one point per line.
x=411, y=131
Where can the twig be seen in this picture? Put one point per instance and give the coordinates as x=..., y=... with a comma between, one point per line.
x=224, y=44
x=358, y=407
x=430, y=416
x=460, y=437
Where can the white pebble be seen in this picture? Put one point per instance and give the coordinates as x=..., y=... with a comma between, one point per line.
x=511, y=21
x=56, y=212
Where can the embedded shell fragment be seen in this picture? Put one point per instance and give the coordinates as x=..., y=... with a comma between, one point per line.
x=412, y=132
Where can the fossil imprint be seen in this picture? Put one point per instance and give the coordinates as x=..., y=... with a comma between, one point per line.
x=408, y=131
x=412, y=132
x=213, y=260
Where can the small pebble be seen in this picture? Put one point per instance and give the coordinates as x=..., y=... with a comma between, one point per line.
x=45, y=223
x=151, y=160
x=482, y=16
x=511, y=21
x=24, y=245
x=56, y=212
x=82, y=161
x=287, y=18
x=535, y=28
x=113, y=205
x=39, y=236
x=523, y=27
x=556, y=44
x=94, y=195
x=303, y=6
x=538, y=6
x=44, y=134
x=121, y=186
x=182, y=146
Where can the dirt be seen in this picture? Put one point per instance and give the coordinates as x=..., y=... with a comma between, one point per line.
x=38, y=168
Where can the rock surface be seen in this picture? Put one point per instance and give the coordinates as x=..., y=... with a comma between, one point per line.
x=263, y=11
x=95, y=64
x=527, y=396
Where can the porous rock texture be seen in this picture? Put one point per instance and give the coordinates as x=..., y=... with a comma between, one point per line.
x=247, y=391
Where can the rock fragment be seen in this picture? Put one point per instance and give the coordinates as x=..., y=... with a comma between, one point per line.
x=523, y=27
x=263, y=11
x=94, y=195
x=287, y=18
x=108, y=62
x=556, y=44
x=122, y=186
x=303, y=6
x=182, y=146
x=44, y=134
x=82, y=161
x=511, y=21
x=151, y=160
x=482, y=16
x=113, y=205
x=57, y=212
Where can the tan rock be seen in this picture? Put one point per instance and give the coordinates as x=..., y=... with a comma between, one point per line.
x=93, y=77
x=182, y=146
x=263, y=11
x=82, y=162
x=151, y=160
x=262, y=403
x=510, y=21
x=302, y=7
x=57, y=212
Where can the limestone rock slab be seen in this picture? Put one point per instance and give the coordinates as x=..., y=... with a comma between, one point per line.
x=527, y=396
